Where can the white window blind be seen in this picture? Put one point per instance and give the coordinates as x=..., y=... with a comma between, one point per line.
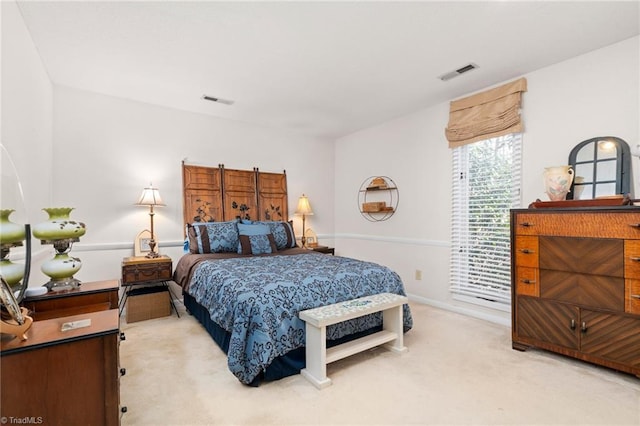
x=486, y=185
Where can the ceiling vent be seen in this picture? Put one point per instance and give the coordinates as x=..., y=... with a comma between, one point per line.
x=218, y=100
x=448, y=76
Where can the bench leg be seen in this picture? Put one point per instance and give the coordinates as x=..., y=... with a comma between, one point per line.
x=316, y=356
x=392, y=321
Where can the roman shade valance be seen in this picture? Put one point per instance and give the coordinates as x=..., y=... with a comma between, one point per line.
x=486, y=115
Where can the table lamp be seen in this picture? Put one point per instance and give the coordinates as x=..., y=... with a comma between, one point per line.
x=304, y=209
x=60, y=231
x=151, y=197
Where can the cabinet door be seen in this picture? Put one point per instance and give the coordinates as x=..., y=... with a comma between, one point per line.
x=548, y=321
x=612, y=337
x=69, y=383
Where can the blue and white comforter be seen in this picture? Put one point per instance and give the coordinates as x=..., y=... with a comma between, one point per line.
x=257, y=300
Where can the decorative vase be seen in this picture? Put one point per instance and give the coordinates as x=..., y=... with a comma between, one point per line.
x=557, y=182
x=10, y=232
x=59, y=226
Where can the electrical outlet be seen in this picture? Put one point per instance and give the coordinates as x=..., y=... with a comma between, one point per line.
x=418, y=274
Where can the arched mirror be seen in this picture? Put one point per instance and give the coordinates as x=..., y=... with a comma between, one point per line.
x=602, y=167
x=15, y=244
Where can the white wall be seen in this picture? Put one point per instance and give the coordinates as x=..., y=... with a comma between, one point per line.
x=25, y=122
x=595, y=94
x=96, y=153
x=107, y=149
x=26, y=108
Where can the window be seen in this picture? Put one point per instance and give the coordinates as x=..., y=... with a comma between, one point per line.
x=486, y=185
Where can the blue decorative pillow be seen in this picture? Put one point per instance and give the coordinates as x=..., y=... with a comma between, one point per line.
x=255, y=239
x=254, y=228
x=213, y=237
x=282, y=233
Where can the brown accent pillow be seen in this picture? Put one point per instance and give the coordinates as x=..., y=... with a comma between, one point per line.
x=257, y=244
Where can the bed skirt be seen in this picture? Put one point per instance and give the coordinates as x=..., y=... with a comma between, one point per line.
x=286, y=365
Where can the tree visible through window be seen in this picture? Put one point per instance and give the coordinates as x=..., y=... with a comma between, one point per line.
x=486, y=185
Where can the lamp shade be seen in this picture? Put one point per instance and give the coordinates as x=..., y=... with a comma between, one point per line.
x=304, y=208
x=150, y=197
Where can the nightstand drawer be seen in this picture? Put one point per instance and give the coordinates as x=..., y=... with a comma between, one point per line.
x=135, y=271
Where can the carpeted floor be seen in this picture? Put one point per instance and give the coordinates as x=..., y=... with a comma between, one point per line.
x=458, y=371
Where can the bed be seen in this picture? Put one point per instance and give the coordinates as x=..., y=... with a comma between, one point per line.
x=246, y=281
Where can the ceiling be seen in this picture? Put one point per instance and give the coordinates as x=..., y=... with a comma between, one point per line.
x=325, y=69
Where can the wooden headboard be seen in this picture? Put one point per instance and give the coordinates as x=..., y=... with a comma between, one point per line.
x=218, y=194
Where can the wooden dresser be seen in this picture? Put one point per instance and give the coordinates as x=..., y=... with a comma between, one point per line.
x=67, y=377
x=89, y=297
x=576, y=283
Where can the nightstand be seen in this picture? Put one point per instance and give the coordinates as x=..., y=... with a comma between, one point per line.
x=150, y=277
x=324, y=249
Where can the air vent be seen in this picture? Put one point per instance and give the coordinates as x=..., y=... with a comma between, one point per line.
x=448, y=76
x=218, y=100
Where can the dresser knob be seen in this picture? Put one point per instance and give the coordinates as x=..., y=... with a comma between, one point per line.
x=634, y=258
x=573, y=324
x=527, y=224
x=527, y=251
x=584, y=327
x=635, y=296
x=528, y=281
x=634, y=225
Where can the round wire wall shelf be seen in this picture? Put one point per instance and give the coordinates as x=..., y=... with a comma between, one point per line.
x=378, y=198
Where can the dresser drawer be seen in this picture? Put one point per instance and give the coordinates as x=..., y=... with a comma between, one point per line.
x=527, y=281
x=592, y=256
x=571, y=224
x=132, y=274
x=526, y=251
x=632, y=296
x=632, y=259
x=593, y=291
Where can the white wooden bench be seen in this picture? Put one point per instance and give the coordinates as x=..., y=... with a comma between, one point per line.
x=317, y=320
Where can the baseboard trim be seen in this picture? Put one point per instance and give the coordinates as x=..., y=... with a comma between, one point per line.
x=460, y=310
